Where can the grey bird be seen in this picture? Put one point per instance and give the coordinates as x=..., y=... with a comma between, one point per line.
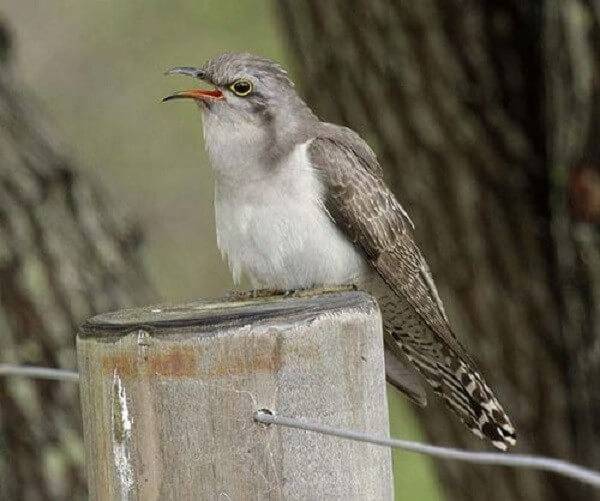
x=301, y=204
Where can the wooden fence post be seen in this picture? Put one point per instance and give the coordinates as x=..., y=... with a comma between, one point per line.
x=168, y=396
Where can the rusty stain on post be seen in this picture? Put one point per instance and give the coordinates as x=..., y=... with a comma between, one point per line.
x=261, y=358
x=177, y=362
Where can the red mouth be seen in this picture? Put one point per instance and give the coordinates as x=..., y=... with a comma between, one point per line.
x=198, y=94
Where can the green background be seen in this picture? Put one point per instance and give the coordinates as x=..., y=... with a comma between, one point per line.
x=96, y=68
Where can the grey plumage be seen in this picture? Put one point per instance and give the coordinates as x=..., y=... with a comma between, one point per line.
x=225, y=68
x=302, y=203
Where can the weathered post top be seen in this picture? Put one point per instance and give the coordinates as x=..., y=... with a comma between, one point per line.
x=168, y=395
x=206, y=315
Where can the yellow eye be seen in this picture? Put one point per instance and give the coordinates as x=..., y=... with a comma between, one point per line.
x=241, y=87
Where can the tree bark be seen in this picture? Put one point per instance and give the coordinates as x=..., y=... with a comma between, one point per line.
x=65, y=253
x=485, y=115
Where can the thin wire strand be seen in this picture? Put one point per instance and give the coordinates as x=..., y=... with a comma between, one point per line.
x=267, y=417
x=38, y=372
x=492, y=458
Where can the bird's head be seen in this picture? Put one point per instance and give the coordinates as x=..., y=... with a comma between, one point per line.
x=250, y=103
x=243, y=86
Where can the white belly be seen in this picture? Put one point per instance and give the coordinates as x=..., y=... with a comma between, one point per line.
x=276, y=231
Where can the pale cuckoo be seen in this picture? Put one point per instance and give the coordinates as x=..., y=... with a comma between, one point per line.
x=301, y=204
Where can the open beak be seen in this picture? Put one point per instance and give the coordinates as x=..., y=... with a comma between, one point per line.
x=205, y=95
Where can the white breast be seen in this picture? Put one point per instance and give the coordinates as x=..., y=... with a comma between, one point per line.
x=276, y=230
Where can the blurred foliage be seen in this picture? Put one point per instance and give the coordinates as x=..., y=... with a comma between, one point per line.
x=97, y=68
x=415, y=479
x=5, y=39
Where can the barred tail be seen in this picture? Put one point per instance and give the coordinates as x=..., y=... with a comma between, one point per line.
x=447, y=367
x=464, y=391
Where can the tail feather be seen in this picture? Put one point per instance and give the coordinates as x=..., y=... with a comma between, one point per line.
x=465, y=393
x=446, y=366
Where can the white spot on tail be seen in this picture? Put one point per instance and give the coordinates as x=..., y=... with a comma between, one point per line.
x=499, y=445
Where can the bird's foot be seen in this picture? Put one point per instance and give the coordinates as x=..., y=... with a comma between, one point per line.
x=321, y=290
x=240, y=295
x=244, y=295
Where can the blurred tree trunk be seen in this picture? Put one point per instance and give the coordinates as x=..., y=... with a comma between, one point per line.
x=486, y=116
x=65, y=253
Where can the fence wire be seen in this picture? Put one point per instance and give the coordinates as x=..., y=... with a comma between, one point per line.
x=268, y=417
x=38, y=372
x=490, y=458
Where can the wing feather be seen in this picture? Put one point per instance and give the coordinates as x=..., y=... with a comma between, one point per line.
x=366, y=210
